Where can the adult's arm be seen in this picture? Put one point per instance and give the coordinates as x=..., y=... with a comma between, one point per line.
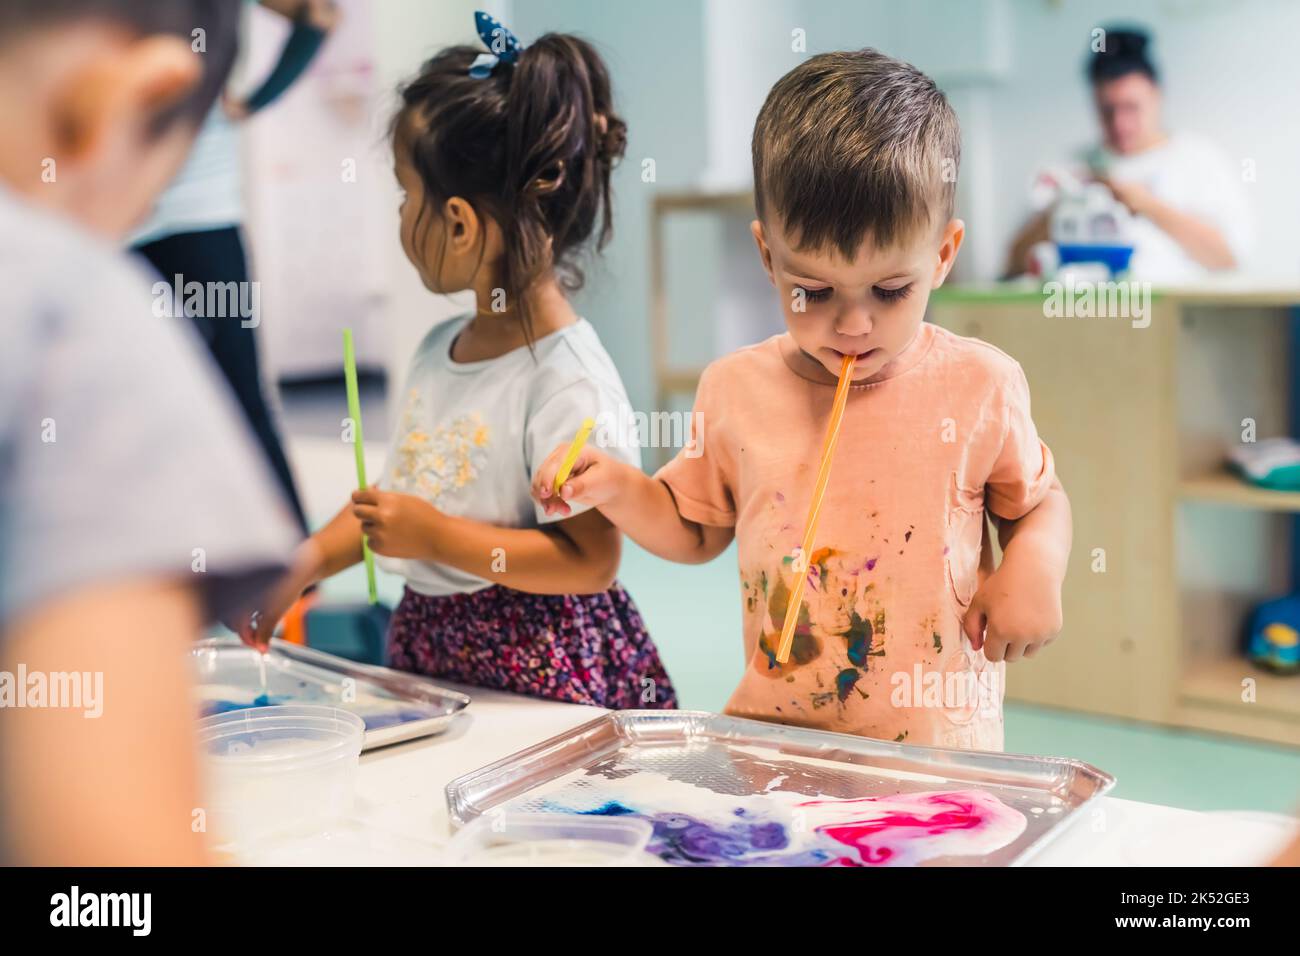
x=1032, y=232
x=312, y=22
x=1201, y=240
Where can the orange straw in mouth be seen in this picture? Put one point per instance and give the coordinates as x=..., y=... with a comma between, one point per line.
x=815, y=508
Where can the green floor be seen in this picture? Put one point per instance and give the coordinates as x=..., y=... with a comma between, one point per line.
x=693, y=612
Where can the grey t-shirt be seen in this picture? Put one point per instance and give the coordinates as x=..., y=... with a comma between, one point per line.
x=122, y=454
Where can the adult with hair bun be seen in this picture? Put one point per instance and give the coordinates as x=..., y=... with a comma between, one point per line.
x=1191, y=217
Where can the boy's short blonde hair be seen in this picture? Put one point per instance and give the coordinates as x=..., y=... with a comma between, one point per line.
x=855, y=146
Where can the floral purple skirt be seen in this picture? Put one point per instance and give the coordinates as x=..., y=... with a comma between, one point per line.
x=578, y=648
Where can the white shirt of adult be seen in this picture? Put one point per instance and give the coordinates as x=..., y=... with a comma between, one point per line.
x=1191, y=174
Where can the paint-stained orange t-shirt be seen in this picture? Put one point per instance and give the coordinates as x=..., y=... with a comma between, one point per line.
x=902, y=543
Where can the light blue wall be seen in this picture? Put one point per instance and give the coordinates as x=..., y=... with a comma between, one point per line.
x=655, y=54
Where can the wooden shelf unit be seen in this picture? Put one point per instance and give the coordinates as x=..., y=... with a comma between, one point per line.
x=1213, y=695
x=1140, y=420
x=1223, y=487
x=1103, y=396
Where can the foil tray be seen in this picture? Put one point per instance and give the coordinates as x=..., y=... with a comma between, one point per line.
x=763, y=779
x=395, y=706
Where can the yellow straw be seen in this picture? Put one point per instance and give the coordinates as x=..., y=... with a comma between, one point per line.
x=574, y=451
x=814, y=510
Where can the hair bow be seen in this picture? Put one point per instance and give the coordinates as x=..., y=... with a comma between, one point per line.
x=505, y=46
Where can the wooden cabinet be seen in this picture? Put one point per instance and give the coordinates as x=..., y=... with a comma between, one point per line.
x=1170, y=551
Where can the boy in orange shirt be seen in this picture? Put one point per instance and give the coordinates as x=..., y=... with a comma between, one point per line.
x=905, y=625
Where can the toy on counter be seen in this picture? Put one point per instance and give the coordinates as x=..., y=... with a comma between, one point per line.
x=1091, y=230
x=1273, y=641
x=1273, y=463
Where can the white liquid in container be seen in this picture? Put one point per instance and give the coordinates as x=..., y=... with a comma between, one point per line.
x=273, y=770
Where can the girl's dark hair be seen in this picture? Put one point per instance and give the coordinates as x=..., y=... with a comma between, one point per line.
x=532, y=145
x=1124, y=52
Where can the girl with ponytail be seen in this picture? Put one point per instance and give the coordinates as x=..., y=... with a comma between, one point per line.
x=505, y=160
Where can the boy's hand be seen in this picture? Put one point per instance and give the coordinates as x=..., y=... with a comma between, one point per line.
x=1015, y=612
x=593, y=481
x=398, y=525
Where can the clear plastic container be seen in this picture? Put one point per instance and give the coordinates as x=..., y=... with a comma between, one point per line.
x=551, y=839
x=278, y=770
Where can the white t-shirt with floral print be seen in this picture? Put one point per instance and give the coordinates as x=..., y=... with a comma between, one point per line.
x=470, y=434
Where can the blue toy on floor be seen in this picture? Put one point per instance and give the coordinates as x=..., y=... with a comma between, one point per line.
x=1274, y=638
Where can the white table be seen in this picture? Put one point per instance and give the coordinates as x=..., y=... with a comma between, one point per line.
x=401, y=813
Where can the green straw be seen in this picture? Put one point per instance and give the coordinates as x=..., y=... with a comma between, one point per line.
x=354, y=412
